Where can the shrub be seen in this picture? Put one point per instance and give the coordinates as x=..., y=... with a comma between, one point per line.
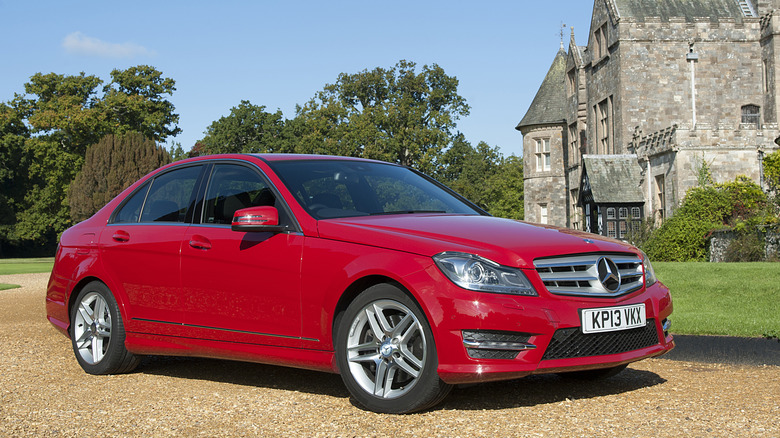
x=683, y=237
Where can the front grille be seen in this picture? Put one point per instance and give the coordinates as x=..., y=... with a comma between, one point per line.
x=579, y=275
x=569, y=343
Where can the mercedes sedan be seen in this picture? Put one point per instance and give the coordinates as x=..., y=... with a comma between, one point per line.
x=358, y=267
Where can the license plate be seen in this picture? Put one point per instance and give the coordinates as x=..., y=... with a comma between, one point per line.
x=610, y=319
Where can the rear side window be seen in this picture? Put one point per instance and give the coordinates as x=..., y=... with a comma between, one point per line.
x=165, y=199
x=131, y=210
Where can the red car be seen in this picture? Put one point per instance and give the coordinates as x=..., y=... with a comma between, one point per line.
x=358, y=267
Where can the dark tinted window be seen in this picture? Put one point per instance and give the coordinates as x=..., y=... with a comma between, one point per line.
x=233, y=187
x=335, y=188
x=131, y=210
x=170, y=195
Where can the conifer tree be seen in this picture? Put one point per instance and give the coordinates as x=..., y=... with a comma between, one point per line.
x=110, y=166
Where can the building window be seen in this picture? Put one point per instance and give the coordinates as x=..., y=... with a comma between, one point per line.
x=600, y=42
x=610, y=213
x=574, y=153
x=623, y=213
x=766, y=76
x=604, y=126
x=571, y=77
x=751, y=115
x=623, y=228
x=575, y=212
x=543, y=213
x=543, y=155
x=611, y=232
x=660, y=187
x=636, y=213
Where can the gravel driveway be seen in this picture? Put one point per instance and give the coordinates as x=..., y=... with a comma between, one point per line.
x=43, y=392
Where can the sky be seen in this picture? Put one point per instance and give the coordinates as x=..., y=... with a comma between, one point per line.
x=280, y=53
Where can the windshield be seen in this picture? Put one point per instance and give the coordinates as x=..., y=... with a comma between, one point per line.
x=341, y=188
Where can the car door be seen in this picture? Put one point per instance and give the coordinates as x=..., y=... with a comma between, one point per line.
x=241, y=286
x=140, y=249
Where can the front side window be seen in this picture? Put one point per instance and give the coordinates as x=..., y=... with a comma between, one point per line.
x=231, y=188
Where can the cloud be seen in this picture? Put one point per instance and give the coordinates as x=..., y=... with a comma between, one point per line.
x=79, y=44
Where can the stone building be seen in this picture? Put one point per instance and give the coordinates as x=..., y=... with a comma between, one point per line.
x=620, y=127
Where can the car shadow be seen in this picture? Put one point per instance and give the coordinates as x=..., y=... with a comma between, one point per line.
x=245, y=373
x=546, y=389
x=528, y=391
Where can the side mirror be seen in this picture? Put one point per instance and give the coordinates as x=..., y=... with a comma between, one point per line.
x=257, y=219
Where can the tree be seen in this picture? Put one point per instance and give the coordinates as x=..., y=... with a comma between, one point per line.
x=51, y=126
x=62, y=108
x=506, y=189
x=396, y=115
x=135, y=101
x=484, y=177
x=13, y=133
x=110, y=166
x=247, y=129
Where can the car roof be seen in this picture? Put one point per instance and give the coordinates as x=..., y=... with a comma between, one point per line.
x=309, y=157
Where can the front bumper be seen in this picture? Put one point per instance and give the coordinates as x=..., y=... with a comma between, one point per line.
x=484, y=337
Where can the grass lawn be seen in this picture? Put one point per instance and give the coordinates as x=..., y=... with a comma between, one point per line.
x=736, y=299
x=24, y=266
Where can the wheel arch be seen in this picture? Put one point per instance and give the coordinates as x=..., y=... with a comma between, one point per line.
x=80, y=285
x=361, y=285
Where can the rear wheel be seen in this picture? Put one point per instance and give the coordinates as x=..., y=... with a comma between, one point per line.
x=97, y=332
x=386, y=353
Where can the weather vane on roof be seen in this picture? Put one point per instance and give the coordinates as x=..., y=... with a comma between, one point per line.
x=563, y=27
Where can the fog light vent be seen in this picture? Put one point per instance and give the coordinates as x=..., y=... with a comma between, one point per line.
x=494, y=344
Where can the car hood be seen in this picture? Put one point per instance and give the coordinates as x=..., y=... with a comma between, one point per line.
x=505, y=241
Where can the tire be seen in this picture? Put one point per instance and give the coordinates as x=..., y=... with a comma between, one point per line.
x=599, y=374
x=386, y=353
x=97, y=332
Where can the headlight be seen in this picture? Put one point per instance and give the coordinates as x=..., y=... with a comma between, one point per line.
x=650, y=278
x=479, y=274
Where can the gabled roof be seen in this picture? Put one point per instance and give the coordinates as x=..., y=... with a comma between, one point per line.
x=548, y=107
x=688, y=9
x=611, y=179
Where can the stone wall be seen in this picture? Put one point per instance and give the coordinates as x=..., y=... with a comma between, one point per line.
x=720, y=240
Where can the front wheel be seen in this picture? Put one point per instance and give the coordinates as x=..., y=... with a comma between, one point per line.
x=386, y=353
x=97, y=332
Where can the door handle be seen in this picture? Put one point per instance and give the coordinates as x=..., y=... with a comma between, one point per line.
x=121, y=236
x=200, y=242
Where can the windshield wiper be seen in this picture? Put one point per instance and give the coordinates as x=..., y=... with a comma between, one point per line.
x=407, y=212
